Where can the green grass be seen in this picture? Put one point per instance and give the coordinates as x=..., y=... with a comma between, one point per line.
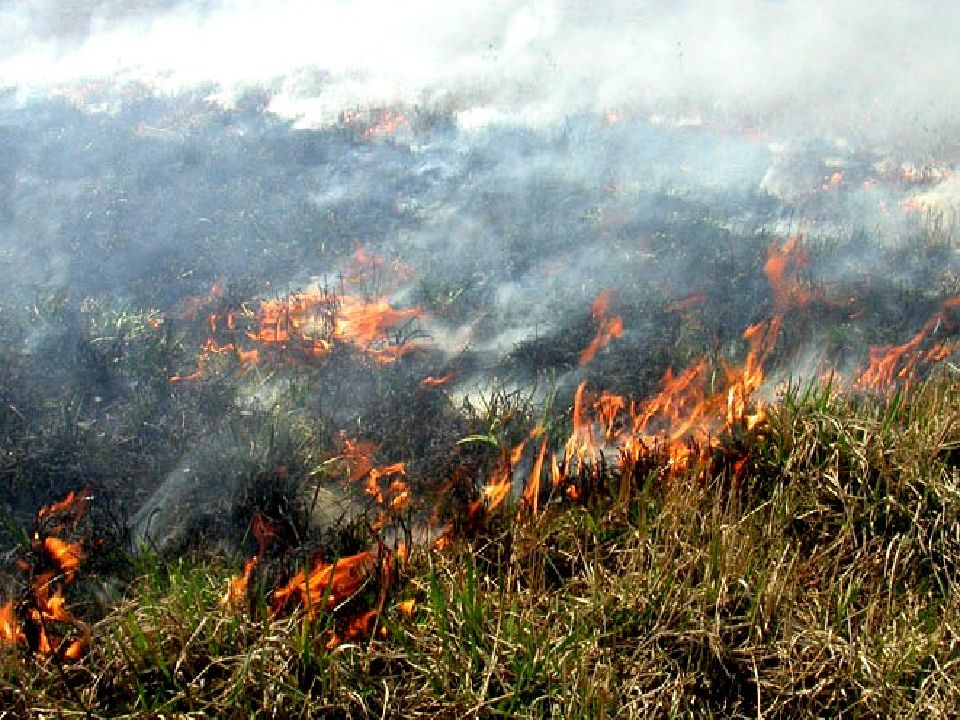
x=820, y=583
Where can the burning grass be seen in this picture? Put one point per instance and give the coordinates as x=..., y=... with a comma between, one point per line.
x=700, y=550
x=349, y=493
x=819, y=579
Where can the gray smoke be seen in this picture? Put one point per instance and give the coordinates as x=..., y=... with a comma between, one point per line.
x=529, y=156
x=883, y=71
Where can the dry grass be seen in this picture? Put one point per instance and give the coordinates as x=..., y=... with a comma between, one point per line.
x=820, y=583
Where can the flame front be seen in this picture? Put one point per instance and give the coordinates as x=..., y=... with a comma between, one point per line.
x=311, y=323
x=889, y=363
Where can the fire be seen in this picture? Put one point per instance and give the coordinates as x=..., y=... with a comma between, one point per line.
x=46, y=602
x=74, y=503
x=10, y=632
x=315, y=320
x=211, y=347
x=263, y=532
x=76, y=648
x=746, y=380
x=610, y=327
x=388, y=124
x=311, y=323
x=889, y=363
x=609, y=406
x=376, y=124
x=358, y=626
x=358, y=455
x=237, y=587
x=335, y=582
x=677, y=407
x=66, y=555
x=495, y=492
x=430, y=381
x=194, y=305
x=531, y=493
x=781, y=267
x=52, y=607
x=832, y=181
x=398, y=496
x=679, y=418
x=581, y=446
x=397, y=488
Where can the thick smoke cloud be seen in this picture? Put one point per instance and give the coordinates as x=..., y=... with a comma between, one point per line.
x=883, y=70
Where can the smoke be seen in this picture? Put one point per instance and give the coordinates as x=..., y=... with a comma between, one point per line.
x=881, y=71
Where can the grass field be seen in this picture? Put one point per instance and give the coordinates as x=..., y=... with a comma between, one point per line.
x=820, y=581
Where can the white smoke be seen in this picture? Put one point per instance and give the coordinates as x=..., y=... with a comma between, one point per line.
x=883, y=69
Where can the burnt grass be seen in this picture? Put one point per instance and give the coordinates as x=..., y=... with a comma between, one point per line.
x=818, y=578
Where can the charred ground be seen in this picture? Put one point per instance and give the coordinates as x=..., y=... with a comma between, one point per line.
x=125, y=231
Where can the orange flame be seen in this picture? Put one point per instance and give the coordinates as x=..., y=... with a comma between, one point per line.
x=237, y=587
x=398, y=495
x=316, y=320
x=898, y=362
x=311, y=322
x=608, y=406
x=610, y=327
x=66, y=555
x=397, y=487
x=431, y=381
x=76, y=649
x=212, y=347
x=358, y=454
x=387, y=124
x=581, y=446
x=682, y=416
x=48, y=603
x=495, y=492
x=337, y=581
x=10, y=631
x=833, y=181
x=263, y=532
x=786, y=287
x=531, y=493
x=73, y=503
x=193, y=305
x=746, y=380
x=53, y=607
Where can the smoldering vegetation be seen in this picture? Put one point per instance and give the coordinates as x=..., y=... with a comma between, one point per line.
x=118, y=225
x=578, y=361
x=182, y=333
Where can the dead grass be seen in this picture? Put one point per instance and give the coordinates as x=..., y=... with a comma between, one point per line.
x=820, y=583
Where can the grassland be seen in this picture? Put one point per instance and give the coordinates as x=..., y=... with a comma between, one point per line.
x=820, y=581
